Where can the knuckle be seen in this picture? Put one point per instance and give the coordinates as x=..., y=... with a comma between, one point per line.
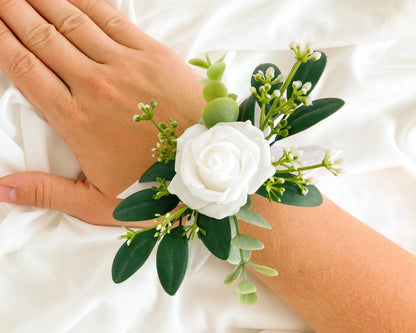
x=22, y=63
x=72, y=22
x=100, y=85
x=114, y=24
x=40, y=34
x=42, y=195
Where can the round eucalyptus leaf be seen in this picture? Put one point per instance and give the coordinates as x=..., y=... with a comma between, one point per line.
x=247, y=242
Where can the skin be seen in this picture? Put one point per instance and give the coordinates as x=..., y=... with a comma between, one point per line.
x=338, y=274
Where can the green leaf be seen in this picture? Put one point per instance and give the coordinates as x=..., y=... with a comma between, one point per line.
x=141, y=206
x=159, y=169
x=252, y=217
x=130, y=258
x=264, y=269
x=293, y=196
x=218, y=235
x=310, y=71
x=247, y=109
x=235, y=257
x=234, y=275
x=172, y=260
x=246, y=287
x=248, y=299
x=199, y=63
x=307, y=116
x=247, y=242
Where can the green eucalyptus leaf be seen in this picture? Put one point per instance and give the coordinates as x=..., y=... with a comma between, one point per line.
x=218, y=235
x=234, y=275
x=141, y=206
x=172, y=260
x=235, y=255
x=252, y=217
x=249, y=203
x=247, y=109
x=310, y=71
x=264, y=269
x=246, y=287
x=293, y=196
x=159, y=170
x=248, y=299
x=247, y=242
x=130, y=258
x=307, y=116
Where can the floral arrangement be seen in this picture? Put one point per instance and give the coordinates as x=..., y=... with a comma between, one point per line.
x=205, y=177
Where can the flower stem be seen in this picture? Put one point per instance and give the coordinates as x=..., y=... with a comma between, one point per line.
x=290, y=76
x=310, y=167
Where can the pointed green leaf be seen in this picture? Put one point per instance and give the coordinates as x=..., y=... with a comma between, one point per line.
x=248, y=299
x=141, y=206
x=252, y=217
x=130, y=258
x=218, y=235
x=199, y=63
x=310, y=71
x=293, y=196
x=159, y=169
x=172, y=260
x=247, y=109
x=264, y=269
x=246, y=287
x=234, y=275
x=247, y=242
x=307, y=116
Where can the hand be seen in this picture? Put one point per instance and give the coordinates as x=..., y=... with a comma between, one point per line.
x=96, y=67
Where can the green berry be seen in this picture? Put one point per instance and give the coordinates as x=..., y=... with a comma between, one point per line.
x=214, y=89
x=222, y=109
x=216, y=71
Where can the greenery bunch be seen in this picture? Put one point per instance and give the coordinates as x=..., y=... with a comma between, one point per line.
x=286, y=108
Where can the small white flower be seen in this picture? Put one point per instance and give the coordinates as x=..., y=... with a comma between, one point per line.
x=276, y=93
x=297, y=84
x=307, y=101
x=270, y=73
x=309, y=47
x=316, y=55
x=307, y=86
x=281, y=78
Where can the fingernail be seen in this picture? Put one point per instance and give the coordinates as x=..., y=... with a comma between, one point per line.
x=7, y=194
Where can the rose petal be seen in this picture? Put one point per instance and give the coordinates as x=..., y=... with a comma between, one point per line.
x=178, y=188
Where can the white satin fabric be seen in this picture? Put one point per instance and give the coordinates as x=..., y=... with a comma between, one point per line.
x=55, y=270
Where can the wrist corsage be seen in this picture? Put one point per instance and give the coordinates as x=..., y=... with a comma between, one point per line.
x=206, y=176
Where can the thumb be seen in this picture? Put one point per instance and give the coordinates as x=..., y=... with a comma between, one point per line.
x=77, y=198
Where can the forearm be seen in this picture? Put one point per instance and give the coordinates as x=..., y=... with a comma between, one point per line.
x=334, y=271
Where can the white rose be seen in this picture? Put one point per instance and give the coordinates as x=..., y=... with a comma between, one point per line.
x=217, y=168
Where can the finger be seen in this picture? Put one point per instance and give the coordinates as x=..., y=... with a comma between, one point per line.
x=44, y=190
x=37, y=82
x=44, y=40
x=77, y=27
x=114, y=24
